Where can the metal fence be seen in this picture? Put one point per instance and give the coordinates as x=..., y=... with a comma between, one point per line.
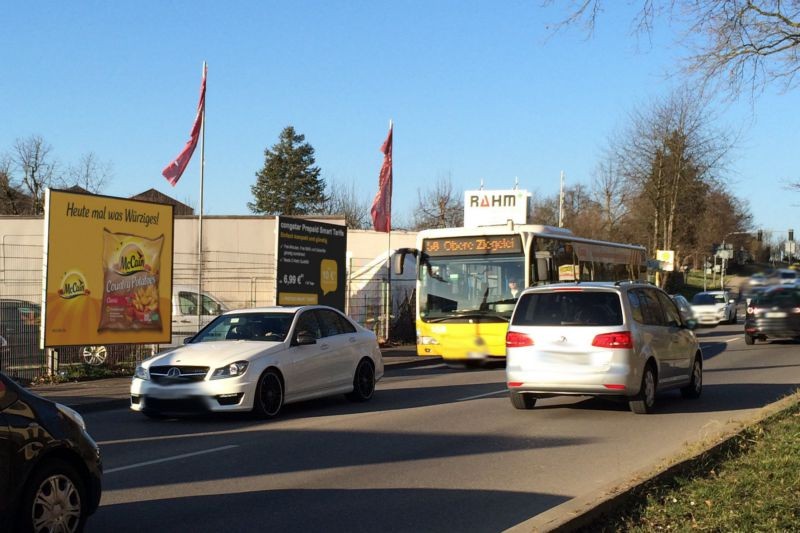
x=241, y=280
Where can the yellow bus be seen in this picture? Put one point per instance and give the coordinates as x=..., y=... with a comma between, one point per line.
x=464, y=294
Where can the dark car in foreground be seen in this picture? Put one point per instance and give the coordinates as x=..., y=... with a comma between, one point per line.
x=50, y=468
x=774, y=313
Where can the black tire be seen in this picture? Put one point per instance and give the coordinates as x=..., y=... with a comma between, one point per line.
x=749, y=339
x=269, y=395
x=645, y=400
x=522, y=401
x=695, y=386
x=363, y=382
x=55, y=486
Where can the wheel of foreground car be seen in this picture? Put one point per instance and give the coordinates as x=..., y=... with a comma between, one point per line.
x=695, y=386
x=269, y=395
x=363, y=382
x=53, y=499
x=643, y=403
x=94, y=355
x=749, y=339
x=522, y=401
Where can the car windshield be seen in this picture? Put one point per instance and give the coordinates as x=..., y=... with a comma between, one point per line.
x=788, y=275
x=704, y=298
x=568, y=309
x=265, y=327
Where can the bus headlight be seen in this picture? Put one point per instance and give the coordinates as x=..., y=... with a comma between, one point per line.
x=427, y=340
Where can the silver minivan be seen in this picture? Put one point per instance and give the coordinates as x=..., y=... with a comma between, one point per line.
x=624, y=339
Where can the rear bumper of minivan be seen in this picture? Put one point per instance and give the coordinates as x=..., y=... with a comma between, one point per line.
x=615, y=380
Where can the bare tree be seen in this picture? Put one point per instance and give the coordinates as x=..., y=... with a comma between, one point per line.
x=612, y=196
x=31, y=158
x=344, y=200
x=442, y=207
x=736, y=43
x=582, y=214
x=671, y=158
x=10, y=197
x=90, y=173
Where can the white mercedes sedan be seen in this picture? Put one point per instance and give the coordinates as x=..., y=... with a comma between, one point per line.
x=258, y=360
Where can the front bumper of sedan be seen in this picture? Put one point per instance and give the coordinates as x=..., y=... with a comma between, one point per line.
x=219, y=395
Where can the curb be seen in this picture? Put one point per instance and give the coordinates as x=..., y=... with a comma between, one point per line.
x=581, y=512
x=420, y=361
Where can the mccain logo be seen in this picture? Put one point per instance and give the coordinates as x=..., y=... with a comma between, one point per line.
x=131, y=260
x=72, y=285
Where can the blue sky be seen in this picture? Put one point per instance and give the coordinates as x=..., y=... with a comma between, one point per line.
x=476, y=90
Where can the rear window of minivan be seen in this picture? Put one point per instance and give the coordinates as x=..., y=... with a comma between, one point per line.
x=778, y=298
x=568, y=309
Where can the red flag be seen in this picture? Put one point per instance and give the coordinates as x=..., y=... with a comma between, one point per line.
x=174, y=170
x=382, y=204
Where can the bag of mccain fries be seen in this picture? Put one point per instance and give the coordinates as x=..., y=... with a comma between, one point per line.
x=130, y=292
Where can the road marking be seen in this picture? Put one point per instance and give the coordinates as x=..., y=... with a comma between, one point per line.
x=422, y=367
x=495, y=393
x=173, y=458
x=734, y=339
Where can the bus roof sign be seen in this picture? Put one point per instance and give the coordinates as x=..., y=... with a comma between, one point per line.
x=496, y=207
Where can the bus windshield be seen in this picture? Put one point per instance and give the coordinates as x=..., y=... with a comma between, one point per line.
x=458, y=289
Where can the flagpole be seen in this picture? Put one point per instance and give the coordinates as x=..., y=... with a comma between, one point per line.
x=200, y=218
x=389, y=252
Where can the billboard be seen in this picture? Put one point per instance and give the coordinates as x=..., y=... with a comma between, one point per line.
x=667, y=259
x=107, y=270
x=311, y=263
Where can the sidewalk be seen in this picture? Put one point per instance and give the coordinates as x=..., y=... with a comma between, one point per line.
x=114, y=393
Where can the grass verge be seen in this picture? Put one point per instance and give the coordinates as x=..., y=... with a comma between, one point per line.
x=749, y=483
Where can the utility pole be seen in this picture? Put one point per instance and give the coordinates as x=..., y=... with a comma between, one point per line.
x=561, y=203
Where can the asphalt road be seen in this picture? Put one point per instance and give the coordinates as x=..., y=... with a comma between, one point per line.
x=436, y=450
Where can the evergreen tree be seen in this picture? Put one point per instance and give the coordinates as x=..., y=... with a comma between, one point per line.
x=289, y=183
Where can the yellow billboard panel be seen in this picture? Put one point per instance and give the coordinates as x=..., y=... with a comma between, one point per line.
x=108, y=270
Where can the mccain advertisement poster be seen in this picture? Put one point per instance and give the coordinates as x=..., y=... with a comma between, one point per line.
x=108, y=270
x=311, y=263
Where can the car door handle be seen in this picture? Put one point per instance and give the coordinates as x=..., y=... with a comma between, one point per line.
x=352, y=339
x=323, y=346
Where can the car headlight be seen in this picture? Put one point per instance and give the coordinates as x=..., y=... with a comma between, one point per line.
x=72, y=414
x=427, y=340
x=230, y=371
x=141, y=373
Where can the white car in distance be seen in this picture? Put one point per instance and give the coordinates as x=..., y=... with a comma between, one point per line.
x=259, y=360
x=712, y=308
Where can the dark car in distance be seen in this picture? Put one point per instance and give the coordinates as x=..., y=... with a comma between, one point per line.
x=773, y=313
x=50, y=468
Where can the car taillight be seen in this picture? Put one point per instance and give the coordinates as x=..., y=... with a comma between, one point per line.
x=750, y=310
x=515, y=339
x=619, y=339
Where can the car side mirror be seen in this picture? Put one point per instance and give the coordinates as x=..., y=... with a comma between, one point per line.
x=305, y=338
x=691, y=323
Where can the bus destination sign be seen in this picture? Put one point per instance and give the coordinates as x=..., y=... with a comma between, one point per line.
x=473, y=245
